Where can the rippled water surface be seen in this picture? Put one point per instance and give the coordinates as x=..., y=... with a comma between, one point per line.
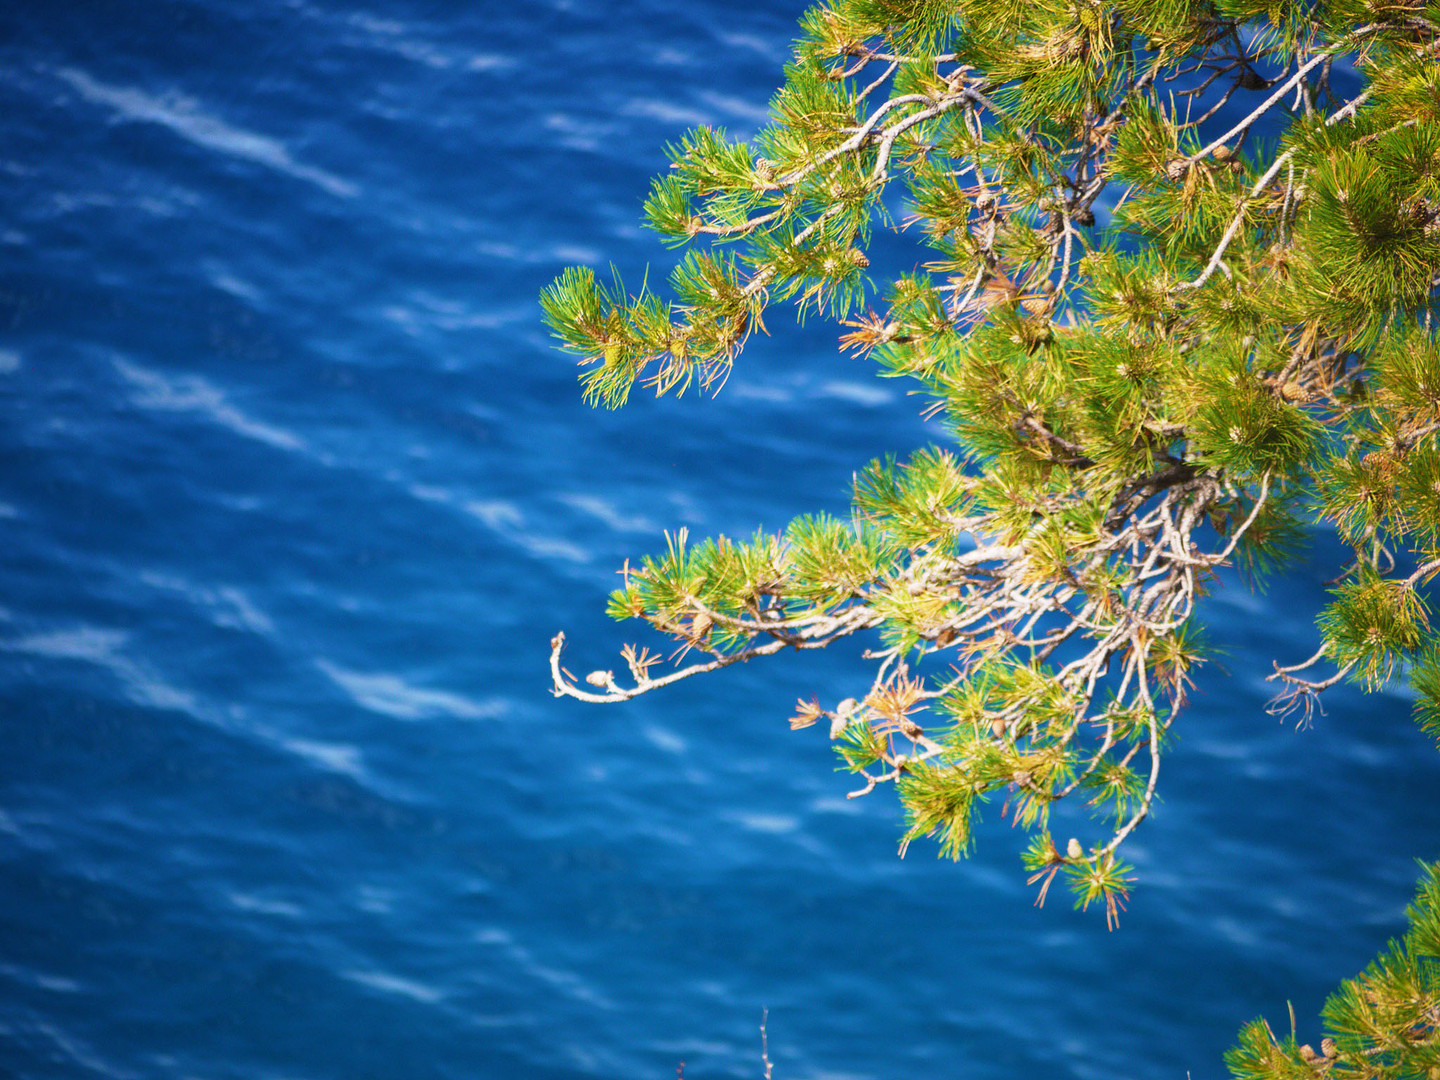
x=295, y=492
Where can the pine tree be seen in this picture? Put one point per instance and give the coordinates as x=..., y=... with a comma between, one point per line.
x=1163, y=339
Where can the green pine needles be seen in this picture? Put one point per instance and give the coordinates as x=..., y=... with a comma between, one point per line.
x=1164, y=340
x=1384, y=1023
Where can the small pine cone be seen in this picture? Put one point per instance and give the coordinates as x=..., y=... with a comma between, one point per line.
x=1328, y=1048
x=1073, y=850
x=841, y=720
x=1383, y=463
x=1176, y=168
x=1253, y=80
x=1083, y=216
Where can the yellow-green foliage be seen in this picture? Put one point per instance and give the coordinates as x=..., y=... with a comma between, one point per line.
x=1173, y=304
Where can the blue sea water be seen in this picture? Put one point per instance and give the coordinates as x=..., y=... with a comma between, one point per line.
x=296, y=491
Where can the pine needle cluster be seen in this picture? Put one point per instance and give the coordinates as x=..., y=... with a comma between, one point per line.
x=1175, y=305
x=1384, y=1023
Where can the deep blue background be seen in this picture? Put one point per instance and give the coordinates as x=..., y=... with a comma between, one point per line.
x=294, y=493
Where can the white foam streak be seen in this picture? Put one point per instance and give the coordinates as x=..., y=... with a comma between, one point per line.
x=56, y=984
x=666, y=113
x=77, y=1052
x=775, y=824
x=394, y=984
x=506, y=520
x=664, y=739
x=100, y=647
x=607, y=513
x=390, y=695
x=744, y=108
x=495, y=513
x=227, y=606
x=334, y=757
x=192, y=394
x=183, y=116
x=858, y=393
x=524, y=961
x=261, y=906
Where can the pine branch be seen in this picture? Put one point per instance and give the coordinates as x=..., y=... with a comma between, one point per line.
x=1247, y=347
